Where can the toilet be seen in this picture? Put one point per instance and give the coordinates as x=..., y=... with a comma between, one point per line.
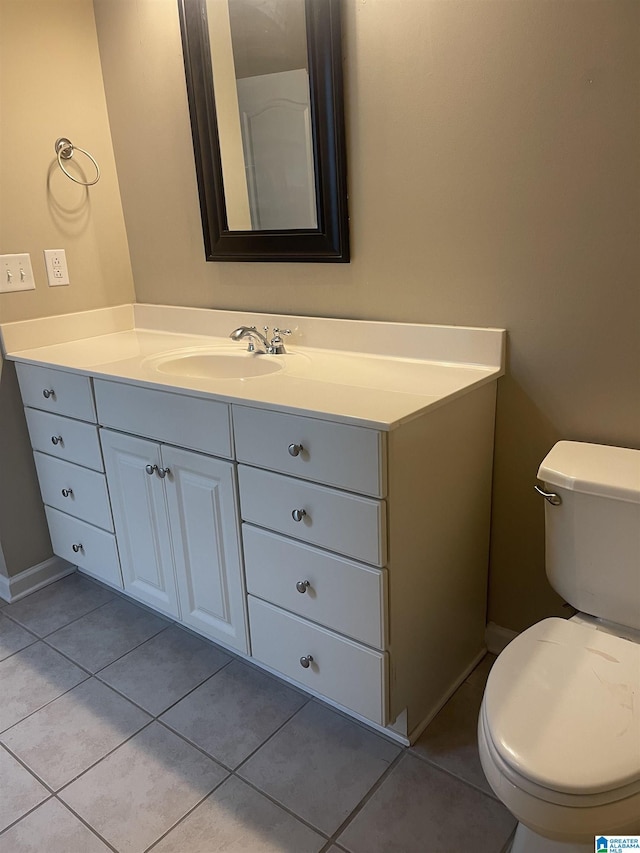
x=559, y=726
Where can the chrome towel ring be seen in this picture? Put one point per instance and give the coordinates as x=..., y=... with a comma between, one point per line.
x=64, y=149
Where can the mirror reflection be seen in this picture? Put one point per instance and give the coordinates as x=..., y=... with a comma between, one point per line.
x=261, y=86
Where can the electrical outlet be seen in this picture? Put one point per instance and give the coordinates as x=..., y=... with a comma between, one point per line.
x=16, y=273
x=56, y=263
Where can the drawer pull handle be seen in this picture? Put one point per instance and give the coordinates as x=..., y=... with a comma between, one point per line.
x=303, y=586
x=305, y=662
x=298, y=514
x=67, y=493
x=295, y=449
x=56, y=439
x=162, y=472
x=48, y=392
x=150, y=469
x=77, y=547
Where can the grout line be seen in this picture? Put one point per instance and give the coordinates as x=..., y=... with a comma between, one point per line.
x=186, y=815
x=31, y=772
x=368, y=796
x=281, y=805
x=92, y=829
x=454, y=775
x=26, y=814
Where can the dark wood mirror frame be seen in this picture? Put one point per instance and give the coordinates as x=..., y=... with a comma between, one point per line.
x=330, y=241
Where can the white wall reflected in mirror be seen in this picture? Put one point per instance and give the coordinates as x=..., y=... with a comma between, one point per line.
x=261, y=87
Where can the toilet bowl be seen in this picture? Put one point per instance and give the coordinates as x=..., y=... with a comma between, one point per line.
x=559, y=725
x=559, y=735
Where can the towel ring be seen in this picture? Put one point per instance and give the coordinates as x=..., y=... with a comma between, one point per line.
x=64, y=149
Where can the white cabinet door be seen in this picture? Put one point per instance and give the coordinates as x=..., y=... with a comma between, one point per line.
x=203, y=514
x=141, y=520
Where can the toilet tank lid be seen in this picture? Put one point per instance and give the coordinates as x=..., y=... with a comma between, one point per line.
x=593, y=469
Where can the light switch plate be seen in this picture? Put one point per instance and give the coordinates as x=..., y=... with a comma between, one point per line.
x=16, y=273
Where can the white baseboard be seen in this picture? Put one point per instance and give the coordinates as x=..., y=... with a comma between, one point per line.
x=498, y=638
x=28, y=581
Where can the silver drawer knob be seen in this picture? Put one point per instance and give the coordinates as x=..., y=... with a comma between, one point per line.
x=56, y=439
x=298, y=514
x=303, y=586
x=162, y=472
x=67, y=493
x=295, y=449
x=305, y=662
x=77, y=547
x=150, y=469
x=48, y=392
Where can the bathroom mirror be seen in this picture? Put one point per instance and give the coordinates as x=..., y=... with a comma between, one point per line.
x=264, y=81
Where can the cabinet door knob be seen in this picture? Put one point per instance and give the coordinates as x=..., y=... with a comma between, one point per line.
x=295, y=449
x=305, y=662
x=150, y=469
x=298, y=514
x=302, y=586
x=77, y=547
x=48, y=392
x=162, y=472
x=67, y=493
x=56, y=439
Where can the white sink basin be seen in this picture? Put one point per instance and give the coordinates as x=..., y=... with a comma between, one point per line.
x=217, y=365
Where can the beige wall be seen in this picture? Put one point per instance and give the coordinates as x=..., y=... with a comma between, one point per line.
x=493, y=173
x=50, y=86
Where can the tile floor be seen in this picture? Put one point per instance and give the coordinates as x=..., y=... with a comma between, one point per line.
x=120, y=731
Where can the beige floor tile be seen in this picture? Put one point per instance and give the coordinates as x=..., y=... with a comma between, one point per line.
x=164, y=669
x=19, y=791
x=31, y=678
x=51, y=829
x=241, y=821
x=320, y=765
x=133, y=796
x=105, y=634
x=67, y=736
x=13, y=637
x=58, y=604
x=419, y=807
x=234, y=712
x=451, y=739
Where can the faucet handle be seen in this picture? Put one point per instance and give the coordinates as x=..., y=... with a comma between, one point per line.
x=277, y=344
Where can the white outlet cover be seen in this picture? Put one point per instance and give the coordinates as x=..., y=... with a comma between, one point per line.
x=16, y=273
x=55, y=261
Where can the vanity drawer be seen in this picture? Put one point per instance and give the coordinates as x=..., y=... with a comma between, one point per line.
x=341, y=455
x=56, y=391
x=86, y=491
x=342, y=522
x=191, y=422
x=350, y=674
x=73, y=441
x=97, y=553
x=345, y=596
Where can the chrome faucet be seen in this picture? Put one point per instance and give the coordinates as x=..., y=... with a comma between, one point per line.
x=275, y=346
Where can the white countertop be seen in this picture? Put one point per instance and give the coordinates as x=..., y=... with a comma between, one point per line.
x=365, y=373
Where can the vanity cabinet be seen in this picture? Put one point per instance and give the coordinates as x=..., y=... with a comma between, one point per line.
x=350, y=559
x=61, y=418
x=175, y=512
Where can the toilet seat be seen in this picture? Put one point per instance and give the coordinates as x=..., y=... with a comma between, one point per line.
x=561, y=714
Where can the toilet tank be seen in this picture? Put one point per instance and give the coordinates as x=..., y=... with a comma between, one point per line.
x=592, y=542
